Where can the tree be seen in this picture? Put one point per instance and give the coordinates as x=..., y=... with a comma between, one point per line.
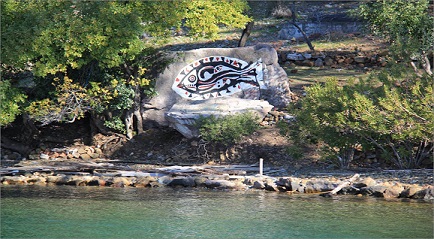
x=408, y=25
x=93, y=54
x=10, y=100
x=282, y=11
x=392, y=111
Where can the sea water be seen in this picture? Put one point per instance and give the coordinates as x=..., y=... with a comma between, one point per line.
x=102, y=212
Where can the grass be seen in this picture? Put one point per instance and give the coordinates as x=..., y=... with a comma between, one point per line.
x=306, y=76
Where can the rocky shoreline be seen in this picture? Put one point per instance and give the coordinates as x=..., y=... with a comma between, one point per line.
x=408, y=184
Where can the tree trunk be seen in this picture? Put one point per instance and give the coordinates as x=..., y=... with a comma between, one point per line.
x=426, y=64
x=129, y=118
x=246, y=34
x=304, y=36
x=134, y=112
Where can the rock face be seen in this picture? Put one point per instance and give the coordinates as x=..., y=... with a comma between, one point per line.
x=217, y=81
x=183, y=115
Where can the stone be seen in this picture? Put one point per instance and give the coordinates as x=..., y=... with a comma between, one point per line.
x=376, y=191
x=307, y=63
x=182, y=181
x=165, y=180
x=328, y=61
x=98, y=151
x=274, y=87
x=360, y=59
x=76, y=155
x=44, y=156
x=348, y=60
x=200, y=181
x=319, y=62
x=271, y=187
x=220, y=184
x=393, y=191
x=144, y=181
x=284, y=184
x=410, y=191
x=295, y=57
x=94, y=155
x=119, y=182
x=184, y=115
x=369, y=182
x=81, y=150
x=85, y=156
x=258, y=185
x=52, y=179
x=427, y=193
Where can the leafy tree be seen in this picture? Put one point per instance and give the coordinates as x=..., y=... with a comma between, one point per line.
x=92, y=51
x=408, y=25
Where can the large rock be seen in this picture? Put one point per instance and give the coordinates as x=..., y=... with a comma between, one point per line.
x=184, y=115
x=173, y=85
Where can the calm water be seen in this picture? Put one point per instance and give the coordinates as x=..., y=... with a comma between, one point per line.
x=93, y=212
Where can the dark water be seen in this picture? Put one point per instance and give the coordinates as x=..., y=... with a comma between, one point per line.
x=93, y=212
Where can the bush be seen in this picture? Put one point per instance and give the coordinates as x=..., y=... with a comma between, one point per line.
x=392, y=111
x=227, y=129
x=10, y=102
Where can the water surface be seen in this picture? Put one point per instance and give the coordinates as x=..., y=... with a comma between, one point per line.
x=94, y=212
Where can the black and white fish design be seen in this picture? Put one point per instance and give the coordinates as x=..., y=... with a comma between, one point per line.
x=217, y=76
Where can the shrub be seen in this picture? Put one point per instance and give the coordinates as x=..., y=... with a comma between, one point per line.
x=323, y=118
x=227, y=129
x=392, y=111
x=10, y=102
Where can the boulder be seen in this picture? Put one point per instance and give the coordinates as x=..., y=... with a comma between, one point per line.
x=427, y=193
x=410, y=191
x=258, y=185
x=360, y=59
x=319, y=62
x=182, y=181
x=190, y=80
x=184, y=115
x=220, y=184
x=284, y=184
x=328, y=61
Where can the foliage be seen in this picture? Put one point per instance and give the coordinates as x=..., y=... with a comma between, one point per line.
x=227, y=129
x=407, y=24
x=68, y=103
x=397, y=117
x=324, y=115
x=204, y=17
x=10, y=102
x=56, y=35
x=115, y=123
x=93, y=51
x=392, y=111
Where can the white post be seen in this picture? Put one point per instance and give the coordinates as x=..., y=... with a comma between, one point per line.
x=261, y=166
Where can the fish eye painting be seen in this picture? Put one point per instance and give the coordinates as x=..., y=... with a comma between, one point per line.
x=218, y=76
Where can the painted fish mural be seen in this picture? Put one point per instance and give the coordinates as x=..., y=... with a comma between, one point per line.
x=217, y=76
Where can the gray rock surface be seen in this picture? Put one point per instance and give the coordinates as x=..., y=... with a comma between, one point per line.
x=184, y=115
x=276, y=90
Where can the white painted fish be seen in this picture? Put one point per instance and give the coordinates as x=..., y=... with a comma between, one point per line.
x=217, y=76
